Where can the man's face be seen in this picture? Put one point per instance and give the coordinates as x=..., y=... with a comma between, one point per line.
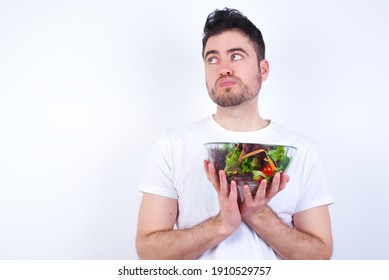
x=232, y=73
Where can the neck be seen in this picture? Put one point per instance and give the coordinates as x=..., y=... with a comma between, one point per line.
x=244, y=117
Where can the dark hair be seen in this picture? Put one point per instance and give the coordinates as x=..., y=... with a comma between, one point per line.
x=223, y=20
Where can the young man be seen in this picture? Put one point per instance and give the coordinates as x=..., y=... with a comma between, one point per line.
x=187, y=212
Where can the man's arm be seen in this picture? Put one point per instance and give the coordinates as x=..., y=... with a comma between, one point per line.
x=311, y=238
x=156, y=238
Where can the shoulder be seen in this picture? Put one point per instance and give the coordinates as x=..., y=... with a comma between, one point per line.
x=187, y=136
x=289, y=136
x=187, y=131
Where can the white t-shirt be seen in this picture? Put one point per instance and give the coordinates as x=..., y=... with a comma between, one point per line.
x=175, y=170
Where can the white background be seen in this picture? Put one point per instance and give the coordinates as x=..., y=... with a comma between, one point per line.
x=86, y=86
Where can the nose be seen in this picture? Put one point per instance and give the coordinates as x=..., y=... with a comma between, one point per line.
x=226, y=71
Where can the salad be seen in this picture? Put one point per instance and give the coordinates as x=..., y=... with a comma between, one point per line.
x=250, y=162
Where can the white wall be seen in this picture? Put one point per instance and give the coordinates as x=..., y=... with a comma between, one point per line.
x=85, y=86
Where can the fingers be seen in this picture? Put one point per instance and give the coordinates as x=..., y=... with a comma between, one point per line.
x=206, y=168
x=284, y=180
x=261, y=192
x=219, y=181
x=223, y=183
x=278, y=184
x=233, y=192
x=209, y=169
x=274, y=186
x=247, y=196
x=266, y=193
x=213, y=177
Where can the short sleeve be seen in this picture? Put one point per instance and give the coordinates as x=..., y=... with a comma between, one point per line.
x=157, y=177
x=315, y=191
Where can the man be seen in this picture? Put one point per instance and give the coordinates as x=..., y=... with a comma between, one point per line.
x=183, y=217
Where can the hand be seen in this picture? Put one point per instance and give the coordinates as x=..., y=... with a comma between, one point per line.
x=252, y=206
x=229, y=215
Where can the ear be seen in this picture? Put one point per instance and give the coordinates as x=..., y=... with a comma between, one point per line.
x=264, y=68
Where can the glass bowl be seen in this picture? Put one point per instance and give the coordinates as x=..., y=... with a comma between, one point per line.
x=249, y=163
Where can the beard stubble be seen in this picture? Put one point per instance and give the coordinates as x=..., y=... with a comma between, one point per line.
x=228, y=98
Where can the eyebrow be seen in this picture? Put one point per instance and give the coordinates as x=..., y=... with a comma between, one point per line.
x=229, y=51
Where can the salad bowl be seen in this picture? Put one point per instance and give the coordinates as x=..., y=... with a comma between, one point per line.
x=249, y=163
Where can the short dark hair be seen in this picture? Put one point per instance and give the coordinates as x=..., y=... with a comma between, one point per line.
x=220, y=21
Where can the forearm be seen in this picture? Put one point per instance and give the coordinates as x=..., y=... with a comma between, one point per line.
x=288, y=242
x=182, y=244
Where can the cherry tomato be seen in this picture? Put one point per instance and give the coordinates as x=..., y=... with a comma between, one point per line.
x=268, y=170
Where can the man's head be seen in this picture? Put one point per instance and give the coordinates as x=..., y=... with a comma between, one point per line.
x=227, y=19
x=234, y=64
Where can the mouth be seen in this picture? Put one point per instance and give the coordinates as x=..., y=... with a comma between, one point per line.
x=226, y=82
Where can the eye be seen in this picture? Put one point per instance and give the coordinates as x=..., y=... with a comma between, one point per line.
x=212, y=60
x=236, y=57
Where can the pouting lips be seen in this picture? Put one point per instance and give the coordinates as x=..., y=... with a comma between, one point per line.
x=226, y=82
